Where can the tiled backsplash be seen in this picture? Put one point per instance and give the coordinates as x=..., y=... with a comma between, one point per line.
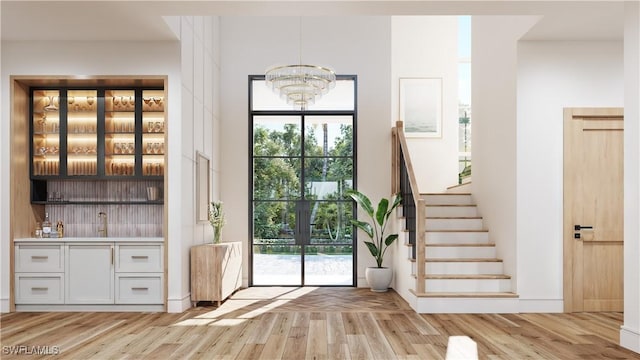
x=124, y=220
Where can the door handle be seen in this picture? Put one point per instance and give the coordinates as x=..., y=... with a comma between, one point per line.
x=580, y=227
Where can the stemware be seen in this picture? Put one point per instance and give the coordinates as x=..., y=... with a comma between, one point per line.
x=51, y=106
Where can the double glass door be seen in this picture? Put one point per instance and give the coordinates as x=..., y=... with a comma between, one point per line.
x=301, y=167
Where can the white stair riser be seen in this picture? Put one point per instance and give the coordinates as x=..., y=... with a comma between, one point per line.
x=453, y=211
x=466, y=252
x=464, y=268
x=453, y=224
x=442, y=199
x=468, y=285
x=466, y=305
x=458, y=237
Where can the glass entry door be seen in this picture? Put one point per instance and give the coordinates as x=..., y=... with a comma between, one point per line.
x=302, y=164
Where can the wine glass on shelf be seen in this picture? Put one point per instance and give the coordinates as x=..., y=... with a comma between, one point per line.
x=90, y=100
x=51, y=106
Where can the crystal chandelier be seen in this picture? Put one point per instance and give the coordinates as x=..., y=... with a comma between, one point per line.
x=300, y=85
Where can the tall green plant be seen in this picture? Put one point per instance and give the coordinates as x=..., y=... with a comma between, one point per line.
x=377, y=225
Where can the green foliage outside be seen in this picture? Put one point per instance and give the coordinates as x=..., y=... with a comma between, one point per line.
x=277, y=184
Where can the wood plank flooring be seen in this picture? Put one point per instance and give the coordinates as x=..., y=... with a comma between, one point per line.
x=307, y=323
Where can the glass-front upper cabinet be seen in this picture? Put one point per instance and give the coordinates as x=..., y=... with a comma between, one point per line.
x=46, y=133
x=106, y=133
x=120, y=133
x=153, y=129
x=82, y=133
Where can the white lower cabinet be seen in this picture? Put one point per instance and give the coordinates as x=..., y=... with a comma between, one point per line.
x=85, y=274
x=90, y=274
x=39, y=288
x=139, y=274
x=138, y=288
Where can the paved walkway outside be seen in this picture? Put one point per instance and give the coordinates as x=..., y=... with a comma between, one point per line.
x=272, y=269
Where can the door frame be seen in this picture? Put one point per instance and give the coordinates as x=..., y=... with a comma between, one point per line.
x=568, y=179
x=302, y=114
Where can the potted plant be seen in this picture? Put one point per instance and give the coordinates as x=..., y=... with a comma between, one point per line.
x=379, y=278
x=216, y=219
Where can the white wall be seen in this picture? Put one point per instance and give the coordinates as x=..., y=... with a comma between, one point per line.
x=351, y=45
x=193, y=68
x=630, y=332
x=426, y=46
x=552, y=76
x=196, y=131
x=77, y=58
x=493, y=95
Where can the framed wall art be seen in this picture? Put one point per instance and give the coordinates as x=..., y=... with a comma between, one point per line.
x=421, y=106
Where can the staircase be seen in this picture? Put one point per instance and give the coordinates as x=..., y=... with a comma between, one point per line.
x=462, y=271
x=458, y=270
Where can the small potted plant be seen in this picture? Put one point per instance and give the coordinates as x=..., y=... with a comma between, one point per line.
x=216, y=219
x=379, y=278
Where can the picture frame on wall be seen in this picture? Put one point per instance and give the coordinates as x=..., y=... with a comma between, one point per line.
x=421, y=106
x=203, y=186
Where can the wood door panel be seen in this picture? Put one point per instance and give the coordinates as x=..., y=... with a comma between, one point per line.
x=593, y=197
x=602, y=178
x=602, y=271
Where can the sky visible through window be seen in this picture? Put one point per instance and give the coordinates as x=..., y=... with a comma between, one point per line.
x=464, y=56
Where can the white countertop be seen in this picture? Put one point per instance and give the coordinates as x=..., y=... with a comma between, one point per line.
x=89, y=239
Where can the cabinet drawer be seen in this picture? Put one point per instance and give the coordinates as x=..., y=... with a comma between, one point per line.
x=39, y=258
x=139, y=258
x=139, y=289
x=41, y=288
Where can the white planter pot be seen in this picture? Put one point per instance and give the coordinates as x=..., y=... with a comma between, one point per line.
x=379, y=279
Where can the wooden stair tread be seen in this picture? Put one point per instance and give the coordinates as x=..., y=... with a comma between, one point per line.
x=464, y=260
x=454, y=231
x=458, y=185
x=461, y=245
x=452, y=205
x=464, y=294
x=467, y=276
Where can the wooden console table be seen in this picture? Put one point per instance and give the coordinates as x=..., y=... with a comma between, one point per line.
x=216, y=271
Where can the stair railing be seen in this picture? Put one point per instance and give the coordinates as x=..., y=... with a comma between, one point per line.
x=413, y=206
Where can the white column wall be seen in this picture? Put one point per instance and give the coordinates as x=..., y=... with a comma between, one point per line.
x=630, y=332
x=65, y=58
x=493, y=95
x=351, y=45
x=426, y=47
x=200, y=71
x=553, y=75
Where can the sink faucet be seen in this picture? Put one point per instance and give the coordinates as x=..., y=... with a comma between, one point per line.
x=103, y=231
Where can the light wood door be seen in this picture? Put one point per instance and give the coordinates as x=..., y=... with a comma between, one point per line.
x=593, y=209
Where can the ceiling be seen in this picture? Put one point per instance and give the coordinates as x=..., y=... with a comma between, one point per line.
x=26, y=20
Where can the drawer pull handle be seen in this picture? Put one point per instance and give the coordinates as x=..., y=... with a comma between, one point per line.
x=140, y=288
x=139, y=257
x=39, y=257
x=39, y=288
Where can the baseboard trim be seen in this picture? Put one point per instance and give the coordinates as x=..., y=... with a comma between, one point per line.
x=541, y=306
x=179, y=305
x=630, y=339
x=89, y=307
x=4, y=305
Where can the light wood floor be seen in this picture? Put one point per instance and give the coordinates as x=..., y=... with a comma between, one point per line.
x=311, y=323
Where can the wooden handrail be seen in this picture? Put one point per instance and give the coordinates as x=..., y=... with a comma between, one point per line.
x=400, y=154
